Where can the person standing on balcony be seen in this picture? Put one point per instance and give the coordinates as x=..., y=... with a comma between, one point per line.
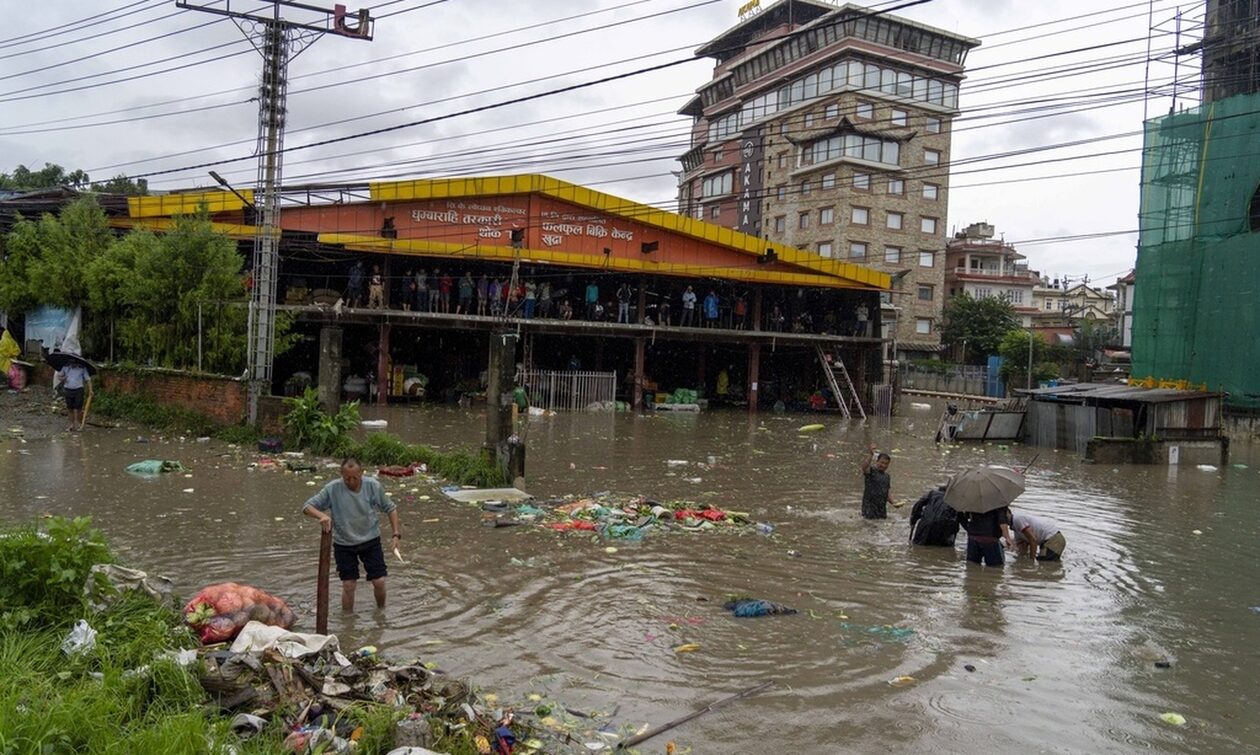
x=623, y=303
x=689, y=308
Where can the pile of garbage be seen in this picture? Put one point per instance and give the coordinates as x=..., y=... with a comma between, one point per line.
x=320, y=698
x=615, y=518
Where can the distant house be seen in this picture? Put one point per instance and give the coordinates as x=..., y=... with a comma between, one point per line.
x=1123, y=314
x=982, y=267
x=1060, y=306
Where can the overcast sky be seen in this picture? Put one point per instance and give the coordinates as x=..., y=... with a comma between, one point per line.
x=188, y=101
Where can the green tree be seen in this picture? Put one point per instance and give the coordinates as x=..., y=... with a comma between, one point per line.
x=977, y=324
x=158, y=288
x=1014, y=351
x=24, y=179
x=120, y=184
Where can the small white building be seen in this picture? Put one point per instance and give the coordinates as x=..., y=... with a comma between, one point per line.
x=982, y=267
x=1124, y=288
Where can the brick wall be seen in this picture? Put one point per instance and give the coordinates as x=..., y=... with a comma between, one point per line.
x=222, y=399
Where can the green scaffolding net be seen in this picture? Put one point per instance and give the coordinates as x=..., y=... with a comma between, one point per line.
x=1198, y=266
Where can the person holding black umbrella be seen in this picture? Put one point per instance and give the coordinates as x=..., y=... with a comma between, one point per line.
x=75, y=373
x=982, y=497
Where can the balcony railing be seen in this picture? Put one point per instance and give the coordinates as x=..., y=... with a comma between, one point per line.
x=993, y=272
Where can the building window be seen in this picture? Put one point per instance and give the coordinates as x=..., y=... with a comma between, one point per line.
x=808, y=121
x=826, y=216
x=927, y=259
x=1017, y=296
x=932, y=126
x=862, y=181
x=931, y=157
x=783, y=160
x=857, y=250
x=930, y=191
x=824, y=249
x=829, y=181
x=861, y=216
x=780, y=224
x=781, y=192
x=927, y=225
x=715, y=211
x=894, y=221
x=716, y=186
x=865, y=110
x=805, y=188
x=898, y=117
x=925, y=292
x=892, y=255
x=803, y=220
x=896, y=186
x=832, y=112
x=923, y=326
x=717, y=155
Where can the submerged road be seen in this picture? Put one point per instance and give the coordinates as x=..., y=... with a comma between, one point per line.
x=1063, y=655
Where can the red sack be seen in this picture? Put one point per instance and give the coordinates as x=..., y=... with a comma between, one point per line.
x=219, y=612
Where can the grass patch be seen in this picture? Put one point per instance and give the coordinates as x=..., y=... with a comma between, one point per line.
x=457, y=466
x=171, y=419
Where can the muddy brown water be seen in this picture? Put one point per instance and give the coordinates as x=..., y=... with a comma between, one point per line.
x=1063, y=654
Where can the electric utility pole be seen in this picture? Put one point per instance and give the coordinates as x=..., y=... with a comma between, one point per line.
x=278, y=40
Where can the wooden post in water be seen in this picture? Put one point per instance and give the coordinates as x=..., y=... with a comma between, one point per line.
x=321, y=588
x=383, y=376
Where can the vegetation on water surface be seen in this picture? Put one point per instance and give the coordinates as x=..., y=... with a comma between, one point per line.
x=309, y=426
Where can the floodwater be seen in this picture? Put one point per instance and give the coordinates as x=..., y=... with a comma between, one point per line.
x=1063, y=654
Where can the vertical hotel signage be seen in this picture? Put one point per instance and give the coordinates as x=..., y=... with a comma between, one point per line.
x=750, y=182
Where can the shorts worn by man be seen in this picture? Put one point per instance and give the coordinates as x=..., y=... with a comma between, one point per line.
x=1039, y=535
x=348, y=508
x=74, y=377
x=877, y=485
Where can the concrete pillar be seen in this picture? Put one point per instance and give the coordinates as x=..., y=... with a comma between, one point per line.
x=754, y=374
x=642, y=301
x=502, y=442
x=383, y=366
x=329, y=384
x=640, y=366
x=756, y=310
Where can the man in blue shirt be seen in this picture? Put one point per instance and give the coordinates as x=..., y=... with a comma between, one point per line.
x=348, y=508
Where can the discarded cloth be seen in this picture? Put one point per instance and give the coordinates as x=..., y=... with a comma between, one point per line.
x=121, y=579
x=257, y=637
x=745, y=608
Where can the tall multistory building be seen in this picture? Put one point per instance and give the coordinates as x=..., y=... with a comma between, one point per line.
x=1230, y=49
x=827, y=127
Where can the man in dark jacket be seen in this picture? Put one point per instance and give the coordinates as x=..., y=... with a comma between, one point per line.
x=932, y=521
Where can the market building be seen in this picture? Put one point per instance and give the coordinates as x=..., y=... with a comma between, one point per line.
x=779, y=314
x=827, y=128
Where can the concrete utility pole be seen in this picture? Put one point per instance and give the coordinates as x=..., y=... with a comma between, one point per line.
x=278, y=40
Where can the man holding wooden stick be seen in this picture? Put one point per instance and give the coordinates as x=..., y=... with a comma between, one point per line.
x=348, y=509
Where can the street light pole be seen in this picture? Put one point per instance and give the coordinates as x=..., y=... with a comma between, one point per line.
x=1030, y=357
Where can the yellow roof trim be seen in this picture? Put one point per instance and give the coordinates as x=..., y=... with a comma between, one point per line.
x=185, y=203
x=445, y=188
x=591, y=261
x=232, y=230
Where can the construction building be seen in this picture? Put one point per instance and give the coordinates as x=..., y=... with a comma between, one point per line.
x=1194, y=306
x=827, y=128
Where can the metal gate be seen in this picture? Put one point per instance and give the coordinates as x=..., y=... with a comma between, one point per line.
x=570, y=390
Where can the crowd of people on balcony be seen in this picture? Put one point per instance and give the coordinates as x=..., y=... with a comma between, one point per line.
x=562, y=296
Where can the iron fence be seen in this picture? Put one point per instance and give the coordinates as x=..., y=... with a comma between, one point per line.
x=570, y=390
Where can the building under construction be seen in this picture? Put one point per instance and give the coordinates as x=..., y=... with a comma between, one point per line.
x=784, y=324
x=1194, y=310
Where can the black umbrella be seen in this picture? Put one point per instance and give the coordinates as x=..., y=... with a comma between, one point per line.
x=59, y=359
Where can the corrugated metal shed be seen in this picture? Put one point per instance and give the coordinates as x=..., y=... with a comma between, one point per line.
x=1090, y=393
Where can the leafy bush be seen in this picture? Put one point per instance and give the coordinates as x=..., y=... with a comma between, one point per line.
x=42, y=573
x=309, y=426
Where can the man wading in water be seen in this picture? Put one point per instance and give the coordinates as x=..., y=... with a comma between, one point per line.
x=877, y=489
x=345, y=508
